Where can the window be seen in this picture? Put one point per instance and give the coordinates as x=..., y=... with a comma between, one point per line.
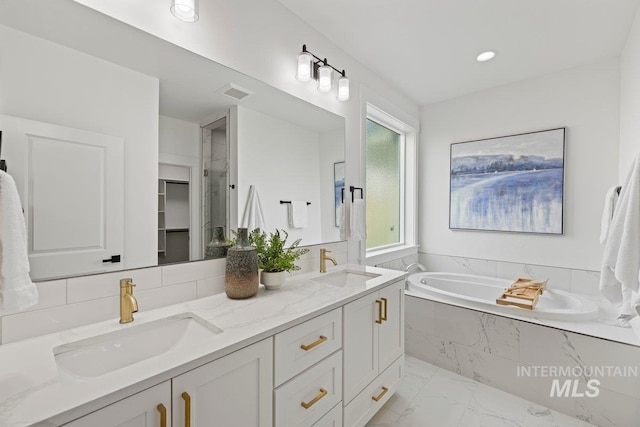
x=384, y=185
x=390, y=185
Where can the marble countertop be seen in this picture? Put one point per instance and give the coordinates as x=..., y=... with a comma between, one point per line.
x=33, y=391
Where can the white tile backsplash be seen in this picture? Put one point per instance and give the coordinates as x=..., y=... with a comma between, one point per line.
x=192, y=271
x=87, y=288
x=51, y=293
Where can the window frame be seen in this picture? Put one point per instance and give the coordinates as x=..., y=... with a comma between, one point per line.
x=408, y=186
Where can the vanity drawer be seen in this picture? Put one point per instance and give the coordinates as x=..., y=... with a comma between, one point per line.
x=333, y=418
x=304, y=345
x=308, y=397
x=364, y=406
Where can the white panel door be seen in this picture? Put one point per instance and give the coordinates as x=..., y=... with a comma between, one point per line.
x=235, y=390
x=71, y=186
x=149, y=408
x=391, y=330
x=360, y=343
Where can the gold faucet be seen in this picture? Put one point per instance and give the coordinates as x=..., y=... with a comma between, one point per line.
x=323, y=260
x=128, y=303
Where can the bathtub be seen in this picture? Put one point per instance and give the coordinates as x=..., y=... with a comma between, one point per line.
x=480, y=293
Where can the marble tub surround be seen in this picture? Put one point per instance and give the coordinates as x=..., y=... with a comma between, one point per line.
x=32, y=390
x=72, y=302
x=432, y=396
x=490, y=349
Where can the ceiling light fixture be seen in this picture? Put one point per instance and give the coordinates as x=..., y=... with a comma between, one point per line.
x=486, y=56
x=312, y=67
x=185, y=10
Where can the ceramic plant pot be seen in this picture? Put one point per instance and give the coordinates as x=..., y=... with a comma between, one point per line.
x=241, y=275
x=273, y=280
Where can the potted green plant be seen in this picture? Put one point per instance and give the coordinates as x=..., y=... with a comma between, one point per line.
x=274, y=257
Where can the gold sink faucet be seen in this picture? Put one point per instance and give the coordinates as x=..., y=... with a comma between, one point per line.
x=323, y=260
x=128, y=303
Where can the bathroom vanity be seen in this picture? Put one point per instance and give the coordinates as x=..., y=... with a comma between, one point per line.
x=323, y=350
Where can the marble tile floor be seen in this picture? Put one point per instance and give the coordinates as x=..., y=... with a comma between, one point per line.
x=433, y=396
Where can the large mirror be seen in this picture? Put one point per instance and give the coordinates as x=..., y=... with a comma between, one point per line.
x=128, y=151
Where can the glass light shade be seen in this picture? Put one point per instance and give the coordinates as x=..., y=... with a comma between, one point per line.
x=304, y=67
x=325, y=78
x=185, y=10
x=343, y=89
x=486, y=56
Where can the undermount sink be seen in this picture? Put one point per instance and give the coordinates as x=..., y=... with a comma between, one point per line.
x=346, y=277
x=95, y=356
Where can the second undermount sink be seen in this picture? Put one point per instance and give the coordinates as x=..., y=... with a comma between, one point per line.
x=345, y=277
x=95, y=356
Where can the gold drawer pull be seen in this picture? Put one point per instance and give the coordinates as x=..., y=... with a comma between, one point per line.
x=187, y=409
x=378, y=397
x=384, y=316
x=380, y=319
x=163, y=414
x=317, y=342
x=320, y=395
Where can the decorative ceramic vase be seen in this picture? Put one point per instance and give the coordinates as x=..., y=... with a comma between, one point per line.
x=241, y=276
x=218, y=246
x=273, y=280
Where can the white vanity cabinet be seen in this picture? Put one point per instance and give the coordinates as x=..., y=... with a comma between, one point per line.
x=149, y=408
x=235, y=390
x=373, y=350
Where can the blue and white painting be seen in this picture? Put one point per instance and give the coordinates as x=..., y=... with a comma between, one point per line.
x=512, y=183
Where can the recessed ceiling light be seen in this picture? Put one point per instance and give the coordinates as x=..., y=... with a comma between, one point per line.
x=486, y=56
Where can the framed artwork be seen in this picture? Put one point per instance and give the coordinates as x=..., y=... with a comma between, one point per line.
x=338, y=187
x=512, y=183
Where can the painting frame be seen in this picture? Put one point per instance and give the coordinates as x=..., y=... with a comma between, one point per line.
x=512, y=183
x=338, y=188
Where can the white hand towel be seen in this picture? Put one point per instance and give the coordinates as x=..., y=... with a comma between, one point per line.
x=358, y=223
x=610, y=201
x=297, y=214
x=621, y=258
x=253, y=217
x=343, y=221
x=17, y=292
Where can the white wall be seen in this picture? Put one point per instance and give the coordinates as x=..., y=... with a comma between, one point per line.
x=226, y=33
x=630, y=99
x=43, y=81
x=282, y=161
x=586, y=100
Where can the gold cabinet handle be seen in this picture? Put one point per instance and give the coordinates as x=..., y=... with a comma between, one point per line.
x=307, y=347
x=384, y=316
x=378, y=397
x=187, y=409
x=312, y=402
x=163, y=414
x=379, y=321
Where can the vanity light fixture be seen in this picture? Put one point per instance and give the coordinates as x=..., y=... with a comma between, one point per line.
x=486, y=56
x=185, y=10
x=312, y=67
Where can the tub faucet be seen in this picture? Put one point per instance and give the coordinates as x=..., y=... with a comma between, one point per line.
x=409, y=267
x=128, y=303
x=415, y=264
x=323, y=260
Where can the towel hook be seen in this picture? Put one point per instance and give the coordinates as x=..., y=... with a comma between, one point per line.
x=288, y=202
x=353, y=190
